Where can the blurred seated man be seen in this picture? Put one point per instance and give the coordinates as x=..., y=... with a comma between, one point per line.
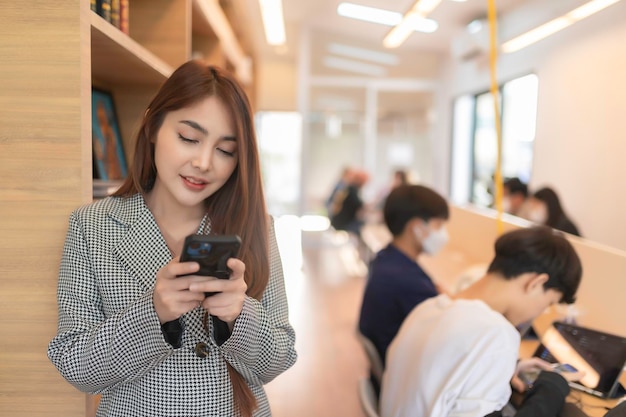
x=348, y=207
x=457, y=356
x=416, y=217
x=514, y=194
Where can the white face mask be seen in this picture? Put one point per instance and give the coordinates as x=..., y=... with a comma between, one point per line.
x=506, y=205
x=435, y=240
x=538, y=215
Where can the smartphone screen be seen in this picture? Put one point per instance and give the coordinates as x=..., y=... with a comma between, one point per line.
x=564, y=367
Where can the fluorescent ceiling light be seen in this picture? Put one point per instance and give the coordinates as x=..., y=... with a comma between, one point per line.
x=354, y=66
x=363, y=54
x=411, y=19
x=590, y=8
x=382, y=17
x=555, y=25
x=369, y=14
x=273, y=21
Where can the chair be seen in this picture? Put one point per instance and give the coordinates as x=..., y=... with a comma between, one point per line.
x=375, y=361
x=367, y=398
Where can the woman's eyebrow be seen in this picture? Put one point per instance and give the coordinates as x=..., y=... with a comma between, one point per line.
x=195, y=126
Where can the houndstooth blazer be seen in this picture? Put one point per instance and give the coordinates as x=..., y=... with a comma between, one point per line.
x=109, y=338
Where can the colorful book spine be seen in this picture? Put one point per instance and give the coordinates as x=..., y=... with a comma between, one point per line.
x=124, y=16
x=115, y=13
x=105, y=9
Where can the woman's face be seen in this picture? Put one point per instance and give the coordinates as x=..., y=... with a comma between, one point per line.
x=195, y=153
x=537, y=211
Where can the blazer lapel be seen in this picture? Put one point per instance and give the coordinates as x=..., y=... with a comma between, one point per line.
x=142, y=248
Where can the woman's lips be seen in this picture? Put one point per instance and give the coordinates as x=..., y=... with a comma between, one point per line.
x=194, y=183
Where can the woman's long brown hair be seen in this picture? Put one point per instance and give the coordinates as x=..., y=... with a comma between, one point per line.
x=239, y=206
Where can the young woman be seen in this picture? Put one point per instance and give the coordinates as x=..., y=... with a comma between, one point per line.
x=134, y=322
x=544, y=207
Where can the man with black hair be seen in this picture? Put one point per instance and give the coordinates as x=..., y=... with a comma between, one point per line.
x=416, y=217
x=514, y=195
x=457, y=356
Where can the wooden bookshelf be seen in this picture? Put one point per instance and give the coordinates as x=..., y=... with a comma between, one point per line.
x=117, y=59
x=163, y=34
x=53, y=54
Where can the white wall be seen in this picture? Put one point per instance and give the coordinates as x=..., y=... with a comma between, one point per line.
x=580, y=143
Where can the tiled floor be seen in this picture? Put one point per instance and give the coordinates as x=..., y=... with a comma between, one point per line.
x=324, y=300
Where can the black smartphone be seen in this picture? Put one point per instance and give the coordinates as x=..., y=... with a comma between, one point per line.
x=211, y=252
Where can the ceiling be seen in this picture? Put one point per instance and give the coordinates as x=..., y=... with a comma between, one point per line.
x=419, y=57
x=322, y=19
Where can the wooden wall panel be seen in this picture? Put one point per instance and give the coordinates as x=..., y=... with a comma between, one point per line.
x=162, y=27
x=44, y=170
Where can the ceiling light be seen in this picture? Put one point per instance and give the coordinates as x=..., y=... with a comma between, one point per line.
x=354, y=66
x=382, y=17
x=555, y=25
x=363, y=54
x=369, y=14
x=474, y=26
x=273, y=21
x=424, y=7
x=590, y=8
x=425, y=25
x=411, y=19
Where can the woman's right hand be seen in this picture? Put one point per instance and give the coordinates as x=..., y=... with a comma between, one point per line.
x=172, y=297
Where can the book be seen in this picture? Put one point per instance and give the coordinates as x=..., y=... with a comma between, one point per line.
x=124, y=16
x=115, y=13
x=104, y=9
x=93, y=5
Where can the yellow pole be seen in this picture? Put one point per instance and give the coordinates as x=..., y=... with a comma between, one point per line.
x=493, y=57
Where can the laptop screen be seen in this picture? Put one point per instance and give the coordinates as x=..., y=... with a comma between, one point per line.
x=600, y=355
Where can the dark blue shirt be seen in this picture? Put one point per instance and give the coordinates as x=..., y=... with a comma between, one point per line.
x=395, y=285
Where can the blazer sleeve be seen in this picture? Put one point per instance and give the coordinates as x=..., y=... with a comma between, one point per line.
x=94, y=352
x=262, y=344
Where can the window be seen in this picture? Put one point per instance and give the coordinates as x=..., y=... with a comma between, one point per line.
x=280, y=137
x=474, y=141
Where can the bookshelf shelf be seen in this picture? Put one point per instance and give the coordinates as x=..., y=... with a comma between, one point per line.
x=118, y=59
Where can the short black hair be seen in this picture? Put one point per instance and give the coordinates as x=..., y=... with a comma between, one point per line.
x=407, y=202
x=543, y=250
x=515, y=185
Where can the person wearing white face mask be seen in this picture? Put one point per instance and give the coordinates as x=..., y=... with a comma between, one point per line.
x=434, y=239
x=544, y=208
x=515, y=193
x=416, y=217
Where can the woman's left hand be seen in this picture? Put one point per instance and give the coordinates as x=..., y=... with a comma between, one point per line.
x=231, y=293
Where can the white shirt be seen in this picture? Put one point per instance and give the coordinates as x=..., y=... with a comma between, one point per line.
x=450, y=358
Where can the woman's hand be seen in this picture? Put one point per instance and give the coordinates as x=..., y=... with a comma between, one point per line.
x=231, y=293
x=172, y=296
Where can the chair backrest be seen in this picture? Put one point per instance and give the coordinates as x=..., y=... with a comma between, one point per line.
x=367, y=397
x=376, y=363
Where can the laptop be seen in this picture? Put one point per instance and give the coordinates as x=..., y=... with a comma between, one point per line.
x=602, y=356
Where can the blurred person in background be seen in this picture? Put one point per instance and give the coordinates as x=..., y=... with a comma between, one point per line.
x=340, y=185
x=515, y=193
x=347, y=206
x=544, y=208
x=416, y=216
